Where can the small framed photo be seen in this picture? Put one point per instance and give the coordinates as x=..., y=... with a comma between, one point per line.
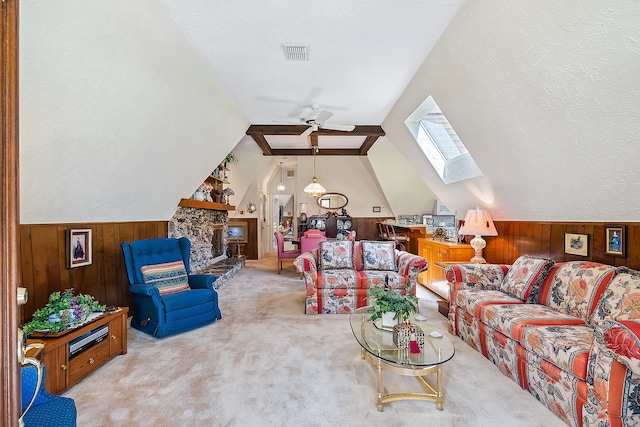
x=576, y=244
x=376, y=209
x=79, y=248
x=614, y=240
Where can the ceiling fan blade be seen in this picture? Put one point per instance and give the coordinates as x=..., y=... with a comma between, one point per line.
x=307, y=131
x=323, y=117
x=344, y=128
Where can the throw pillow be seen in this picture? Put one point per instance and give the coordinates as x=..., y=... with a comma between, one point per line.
x=525, y=277
x=621, y=298
x=169, y=277
x=336, y=255
x=378, y=256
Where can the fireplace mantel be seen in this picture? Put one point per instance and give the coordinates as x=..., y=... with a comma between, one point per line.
x=197, y=204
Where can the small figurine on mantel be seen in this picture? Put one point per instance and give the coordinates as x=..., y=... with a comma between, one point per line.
x=224, y=197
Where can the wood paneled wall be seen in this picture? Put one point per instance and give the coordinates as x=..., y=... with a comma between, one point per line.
x=367, y=228
x=250, y=249
x=43, y=260
x=43, y=250
x=546, y=239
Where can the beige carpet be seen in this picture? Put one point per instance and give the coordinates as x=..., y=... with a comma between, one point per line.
x=268, y=364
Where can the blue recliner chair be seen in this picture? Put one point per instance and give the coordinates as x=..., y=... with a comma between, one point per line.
x=170, y=313
x=47, y=410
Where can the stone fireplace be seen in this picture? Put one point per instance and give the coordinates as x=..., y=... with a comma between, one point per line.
x=217, y=240
x=206, y=229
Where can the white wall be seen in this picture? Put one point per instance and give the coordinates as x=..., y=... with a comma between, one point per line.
x=119, y=116
x=349, y=175
x=545, y=96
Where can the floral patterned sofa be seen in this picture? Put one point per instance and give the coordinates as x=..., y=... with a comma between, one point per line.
x=338, y=274
x=566, y=332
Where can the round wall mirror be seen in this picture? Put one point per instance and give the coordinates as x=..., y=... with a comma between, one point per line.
x=332, y=201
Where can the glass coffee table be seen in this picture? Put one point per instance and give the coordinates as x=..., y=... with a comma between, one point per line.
x=378, y=347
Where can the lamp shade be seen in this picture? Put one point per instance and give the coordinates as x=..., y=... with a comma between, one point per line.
x=478, y=222
x=314, y=189
x=281, y=186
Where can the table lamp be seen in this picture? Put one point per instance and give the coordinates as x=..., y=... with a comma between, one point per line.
x=478, y=223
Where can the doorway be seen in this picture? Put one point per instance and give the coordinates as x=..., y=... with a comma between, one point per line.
x=283, y=218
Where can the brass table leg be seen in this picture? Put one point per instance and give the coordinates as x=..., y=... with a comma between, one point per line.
x=431, y=393
x=380, y=387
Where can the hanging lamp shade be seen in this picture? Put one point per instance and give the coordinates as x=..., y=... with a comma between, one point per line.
x=314, y=189
x=281, y=186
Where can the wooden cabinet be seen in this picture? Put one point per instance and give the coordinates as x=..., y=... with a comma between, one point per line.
x=336, y=227
x=63, y=371
x=440, y=251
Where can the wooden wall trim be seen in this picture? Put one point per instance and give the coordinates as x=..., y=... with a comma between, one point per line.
x=250, y=249
x=43, y=251
x=546, y=239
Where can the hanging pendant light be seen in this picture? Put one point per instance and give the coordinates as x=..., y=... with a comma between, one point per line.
x=281, y=186
x=314, y=189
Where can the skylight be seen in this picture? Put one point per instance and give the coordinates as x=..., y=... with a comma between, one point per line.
x=440, y=143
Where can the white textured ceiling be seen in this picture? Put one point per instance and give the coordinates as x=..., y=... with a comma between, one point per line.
x=362, y=53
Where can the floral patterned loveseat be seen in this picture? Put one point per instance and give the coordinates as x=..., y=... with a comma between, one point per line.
x=339, y=274
x=566, y=332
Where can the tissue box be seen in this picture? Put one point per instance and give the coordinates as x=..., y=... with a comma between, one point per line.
x=402, y=335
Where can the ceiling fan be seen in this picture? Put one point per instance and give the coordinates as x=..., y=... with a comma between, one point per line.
x=316, y=120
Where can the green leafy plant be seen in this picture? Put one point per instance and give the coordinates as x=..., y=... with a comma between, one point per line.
x=62, y=311
x=231, y=159
x=385, y=300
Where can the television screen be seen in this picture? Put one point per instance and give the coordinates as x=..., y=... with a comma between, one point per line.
x=237, y=233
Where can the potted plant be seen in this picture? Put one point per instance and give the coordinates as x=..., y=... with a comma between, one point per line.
x=64, y=310
x=231, y=159
x=385, y=300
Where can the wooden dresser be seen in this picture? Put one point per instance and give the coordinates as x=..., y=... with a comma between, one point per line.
x=440, y=251
x=64, y=371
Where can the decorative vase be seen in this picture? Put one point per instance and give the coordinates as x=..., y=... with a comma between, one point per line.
x=388, y=320
x=199, y=195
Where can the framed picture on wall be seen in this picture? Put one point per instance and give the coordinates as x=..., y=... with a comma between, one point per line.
x=614, y=237
x=79, y=248
x=576, y=244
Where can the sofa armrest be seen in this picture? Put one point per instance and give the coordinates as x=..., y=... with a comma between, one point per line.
x=475, y=276
x=613, y=373
x=202, y=281
x=306, y=264
x=622, y=339
x=140, y=289
x=410, y=265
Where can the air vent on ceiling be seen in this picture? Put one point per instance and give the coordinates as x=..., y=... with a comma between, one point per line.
x=296, y=52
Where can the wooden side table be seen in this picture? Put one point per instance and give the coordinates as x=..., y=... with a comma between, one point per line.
x=64, y=370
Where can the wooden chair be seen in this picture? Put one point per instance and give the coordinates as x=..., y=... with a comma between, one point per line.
x=282, y=254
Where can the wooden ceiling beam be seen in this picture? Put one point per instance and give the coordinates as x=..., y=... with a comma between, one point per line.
x=258, y=133
x=309, y=152
x=367, y=144
x=262, y=143
x=276, y=129
x=298, y=129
